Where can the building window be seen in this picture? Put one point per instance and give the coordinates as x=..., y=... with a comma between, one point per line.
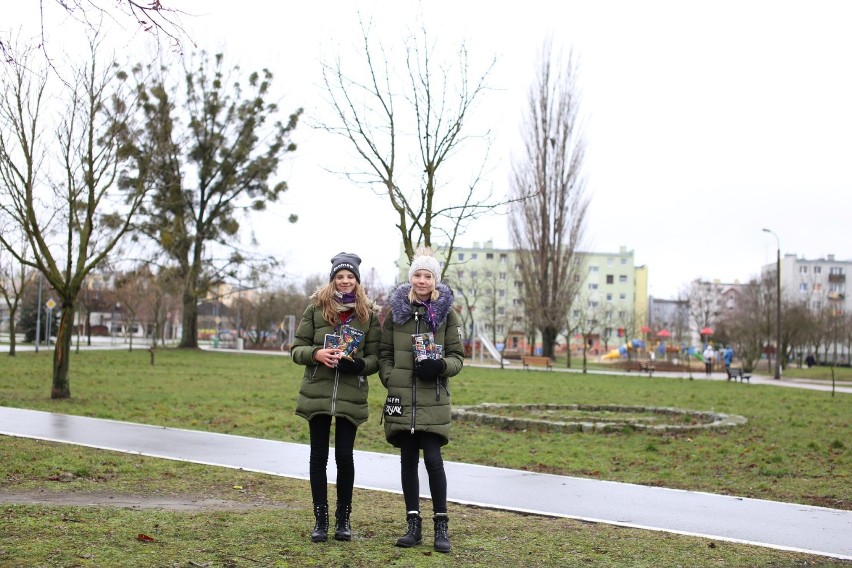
x=461, y=256
x=501, y=293
x=593, y=286
x=803, y=269
x=622, y=296
x=817, y=269
x=593, y=269
x=518, y=302
x=501, y=310
x=519, y=284
x=500, y=328
x=817, y=305
x=576, y=313
x=473, y=273
x=489, y=256
x=502, y=276
x=489, y=274
x=836, y=270
x=504, y=257
x=609, y=297
x=474, y=256
x=610, y=279
x=622, y=314
x=623, y=262
x=803, y=287
x=609, y=261
x=622, y=278
x=460, y=273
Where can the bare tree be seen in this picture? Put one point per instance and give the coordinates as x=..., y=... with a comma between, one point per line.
x=405, y=140
x=71, y=223
x=746, y=327
x=547, y=227
x=15, y=277
x=586, y=319
x=154, y=17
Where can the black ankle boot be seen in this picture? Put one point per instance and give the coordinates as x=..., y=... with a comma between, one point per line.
x=442, y=533
x=320, y=533
x=342, y=530
x=414, y=536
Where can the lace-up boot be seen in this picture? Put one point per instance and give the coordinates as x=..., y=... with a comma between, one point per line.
x=414, y=536
x=342, y=530
x=320, y=533
x=442, y=533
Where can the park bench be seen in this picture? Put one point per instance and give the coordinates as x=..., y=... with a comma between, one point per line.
x=642, y=367
x=735, y=373
x=539, y=361
x=646, y=368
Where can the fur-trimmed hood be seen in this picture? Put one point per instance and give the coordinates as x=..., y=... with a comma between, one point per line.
x=404, y=311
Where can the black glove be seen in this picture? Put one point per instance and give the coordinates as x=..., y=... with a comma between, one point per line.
x=429, y=369
x=351, y=366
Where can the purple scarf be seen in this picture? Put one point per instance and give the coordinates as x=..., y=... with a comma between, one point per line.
x=431, y=317
x=344, y=298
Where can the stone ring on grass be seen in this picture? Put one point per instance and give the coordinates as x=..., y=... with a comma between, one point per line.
x=594, y=417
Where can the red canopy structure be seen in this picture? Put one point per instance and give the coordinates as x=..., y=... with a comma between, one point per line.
x=706, y=331
x=664, y=333
x=644, y=329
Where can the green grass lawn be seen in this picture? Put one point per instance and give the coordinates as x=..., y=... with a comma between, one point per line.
x=795, y=447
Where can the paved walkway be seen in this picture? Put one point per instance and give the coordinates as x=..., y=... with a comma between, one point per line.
x=813, y=530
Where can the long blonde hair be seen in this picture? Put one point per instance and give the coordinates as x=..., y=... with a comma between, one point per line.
x=324, y=299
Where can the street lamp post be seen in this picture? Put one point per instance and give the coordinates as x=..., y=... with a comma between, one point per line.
x=777, y=305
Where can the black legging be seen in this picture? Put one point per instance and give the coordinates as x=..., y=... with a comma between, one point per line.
x=344, y=443
x=410, y=458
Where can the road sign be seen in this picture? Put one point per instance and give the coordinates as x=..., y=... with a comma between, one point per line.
x=50, y=304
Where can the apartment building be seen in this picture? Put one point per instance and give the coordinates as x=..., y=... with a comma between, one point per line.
x=490, y=294
x=819, y=283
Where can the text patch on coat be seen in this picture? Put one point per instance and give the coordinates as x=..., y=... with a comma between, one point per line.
x=393, y=406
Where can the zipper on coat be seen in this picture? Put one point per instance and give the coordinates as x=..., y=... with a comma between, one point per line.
x=334, y=392
x=414, y=381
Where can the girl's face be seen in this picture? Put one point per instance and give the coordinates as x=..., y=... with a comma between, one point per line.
x=345, y=281
x=423, y=283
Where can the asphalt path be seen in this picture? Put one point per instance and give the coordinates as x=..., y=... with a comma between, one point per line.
x=785, y=526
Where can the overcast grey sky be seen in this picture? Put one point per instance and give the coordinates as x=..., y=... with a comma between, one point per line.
x=706, y=121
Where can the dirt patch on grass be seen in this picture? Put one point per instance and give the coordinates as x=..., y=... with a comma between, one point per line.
x=187, y=503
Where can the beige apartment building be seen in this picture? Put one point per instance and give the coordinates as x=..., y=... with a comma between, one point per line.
x=489, y=295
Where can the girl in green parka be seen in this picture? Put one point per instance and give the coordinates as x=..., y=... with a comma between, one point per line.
x=335, y=386
x=417, y=410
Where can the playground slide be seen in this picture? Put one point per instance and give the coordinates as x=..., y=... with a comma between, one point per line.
x=485, y=342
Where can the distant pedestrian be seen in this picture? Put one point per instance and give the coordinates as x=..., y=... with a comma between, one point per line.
x=708, y=359
x=728, y=356
x=810, y=360
x=334, y=386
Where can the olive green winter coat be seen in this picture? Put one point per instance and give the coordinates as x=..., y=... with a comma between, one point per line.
x=329, y=391
x=417, y=405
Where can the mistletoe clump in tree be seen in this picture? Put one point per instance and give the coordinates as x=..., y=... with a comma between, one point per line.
x=216, y=146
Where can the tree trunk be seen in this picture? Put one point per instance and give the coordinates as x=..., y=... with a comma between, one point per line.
x=189, y=335
x=61, y=354
x=12, y=342
x=548, y=340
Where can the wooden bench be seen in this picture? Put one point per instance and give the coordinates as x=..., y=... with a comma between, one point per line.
x=642, y=367
x=735, y=373
x=539, y=361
